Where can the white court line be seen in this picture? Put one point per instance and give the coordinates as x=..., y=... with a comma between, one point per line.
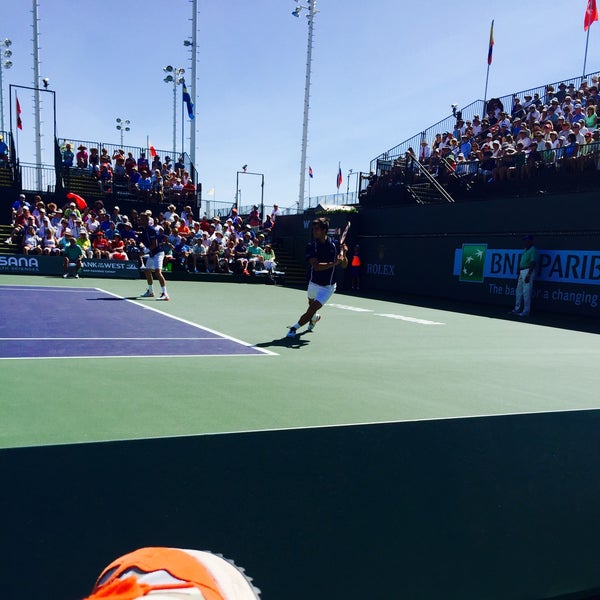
x=409, y=319
x=332, y=426
x=45, y=288
x=389, y=316
x=142, y=305
x=192, y=324
x=352, y=308
x=144, y=356
x=101, y=339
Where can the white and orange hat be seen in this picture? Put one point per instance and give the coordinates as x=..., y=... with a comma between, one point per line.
x=169, y=573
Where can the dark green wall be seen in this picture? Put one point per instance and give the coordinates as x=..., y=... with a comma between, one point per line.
x=495, y=508
x=412, y=249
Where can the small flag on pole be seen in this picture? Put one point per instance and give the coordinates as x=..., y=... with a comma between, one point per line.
x=591, y=14
x=491, y=47
x=188, y=100
x=19, y=122
x=310, y=171
x=211, y=192
x=152, y=151
x=339, y=176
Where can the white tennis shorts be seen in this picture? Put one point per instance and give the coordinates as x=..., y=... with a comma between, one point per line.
x=320, y=293
x=155, y=263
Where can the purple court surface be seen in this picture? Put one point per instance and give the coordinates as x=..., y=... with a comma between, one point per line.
x=58, y=322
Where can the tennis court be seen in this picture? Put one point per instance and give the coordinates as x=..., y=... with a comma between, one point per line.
x=215, y=359
x=436, y=452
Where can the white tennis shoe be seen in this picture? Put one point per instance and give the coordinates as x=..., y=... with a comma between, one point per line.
x=315, y=319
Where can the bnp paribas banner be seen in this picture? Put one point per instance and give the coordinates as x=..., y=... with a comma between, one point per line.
x=560, y=270
x=21, y=264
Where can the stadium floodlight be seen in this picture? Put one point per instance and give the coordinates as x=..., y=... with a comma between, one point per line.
x=6, y=63
x=175, y=77
x=122, y=126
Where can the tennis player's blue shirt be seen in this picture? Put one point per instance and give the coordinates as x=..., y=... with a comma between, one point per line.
x=147, y=236
x=324, y=252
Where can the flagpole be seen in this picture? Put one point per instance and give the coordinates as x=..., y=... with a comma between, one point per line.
x=591, y=15
x=587, y=40
x=486, y=87
x=489, y=62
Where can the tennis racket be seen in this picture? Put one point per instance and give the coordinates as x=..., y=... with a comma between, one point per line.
x=344, y=234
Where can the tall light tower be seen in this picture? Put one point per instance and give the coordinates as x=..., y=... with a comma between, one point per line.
x=36, y=95
x=122, y=127
x=174, y=76
x=5, y=64
x=193, y=46
x=312, y=11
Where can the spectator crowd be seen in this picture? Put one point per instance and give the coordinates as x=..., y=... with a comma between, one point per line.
x=212, y=245
x=534, y=136
x=156, y=181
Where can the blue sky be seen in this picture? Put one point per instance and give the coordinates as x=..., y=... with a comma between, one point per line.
x=382, y=72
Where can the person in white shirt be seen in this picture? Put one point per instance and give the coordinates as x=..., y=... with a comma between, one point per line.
x=424, y=152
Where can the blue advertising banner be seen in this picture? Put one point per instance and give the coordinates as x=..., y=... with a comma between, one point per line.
x=21, y=264
x=556, y=266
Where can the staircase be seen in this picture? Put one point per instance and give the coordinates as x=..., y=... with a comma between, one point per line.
x=6, y=178
x=5, y=247
x=84, y=185
x=425, y=193
x=295, y=272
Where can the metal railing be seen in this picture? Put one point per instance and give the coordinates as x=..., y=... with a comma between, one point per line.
x=31, y=174
x=467, y=113
x=136, y=151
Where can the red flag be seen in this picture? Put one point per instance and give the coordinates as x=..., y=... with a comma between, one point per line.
x=152, y=151
x=79, y=201
x=591, y=14
x=339, y=177
x=19, y=122
x=491, y=47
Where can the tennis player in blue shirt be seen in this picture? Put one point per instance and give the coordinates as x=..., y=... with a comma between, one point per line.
x=151, y=239
x=324, y=255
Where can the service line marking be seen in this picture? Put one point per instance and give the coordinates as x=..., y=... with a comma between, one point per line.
x=353, y=308
x=389, y=316
x=409, y=319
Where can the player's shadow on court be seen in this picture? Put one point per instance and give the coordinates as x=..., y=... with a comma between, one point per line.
x=285, y=342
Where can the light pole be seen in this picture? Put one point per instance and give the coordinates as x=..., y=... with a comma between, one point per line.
x=174, y=76
x=350, y=173
x=238, y=194
x=5, y=64
x=193, y=46
x=123, y=126
x=312, y=11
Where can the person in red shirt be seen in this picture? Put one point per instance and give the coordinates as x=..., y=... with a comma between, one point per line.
x=101, y=246
x=117, y=247
x=254, y=218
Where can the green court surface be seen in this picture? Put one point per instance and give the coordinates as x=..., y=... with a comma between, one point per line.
x=367, y=361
